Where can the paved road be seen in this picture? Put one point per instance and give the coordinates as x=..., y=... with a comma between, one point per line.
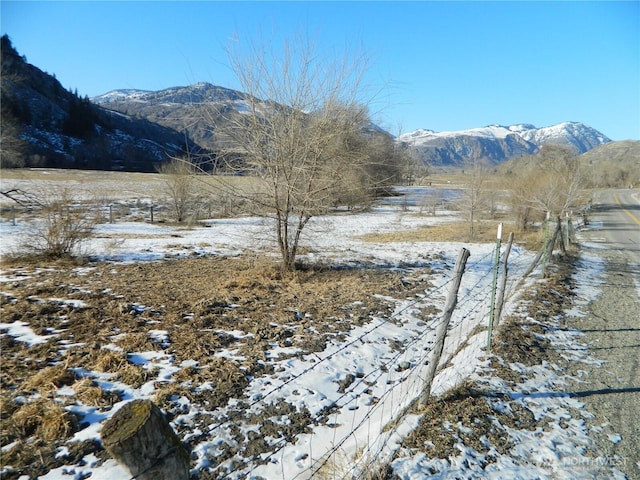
x=612, y=330
x=616, y=216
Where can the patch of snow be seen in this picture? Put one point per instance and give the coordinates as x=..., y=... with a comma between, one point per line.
x=22, y=332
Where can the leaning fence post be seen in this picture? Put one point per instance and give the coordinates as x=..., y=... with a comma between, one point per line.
x=496, y=264
x=441, y=333
x=503, y=280
x=139, y=438
x=560, y=236
x=548, y=248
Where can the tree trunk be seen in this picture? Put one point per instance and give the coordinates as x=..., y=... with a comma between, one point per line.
x=139, y=438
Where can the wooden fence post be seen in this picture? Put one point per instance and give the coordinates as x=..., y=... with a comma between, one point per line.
x=441, y=333
x=545, y=251
x=549, y=246
x=139, y=438
x=494, y=285
x=560, y=237
x=535, y=262
x=503, y=280
x=151, y=213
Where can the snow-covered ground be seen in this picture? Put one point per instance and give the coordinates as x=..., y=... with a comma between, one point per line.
x=366, y=419
x=562, y=444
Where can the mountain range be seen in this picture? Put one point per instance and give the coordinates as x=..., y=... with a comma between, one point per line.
x=198, y=108
x=494, y=144
x=137, y=129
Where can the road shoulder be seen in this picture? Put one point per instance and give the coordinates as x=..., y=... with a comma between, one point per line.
x=609, y=384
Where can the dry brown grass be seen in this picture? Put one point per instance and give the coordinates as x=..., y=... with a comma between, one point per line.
x=446, y=232
x=484, y=232
x=49, y=379
x=110, y=361
x=45, y=418
x=89, y=393
x=438, y=431
x=198, y=302
x=136, y=342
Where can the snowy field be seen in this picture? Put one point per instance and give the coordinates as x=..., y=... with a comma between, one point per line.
x=379, y=381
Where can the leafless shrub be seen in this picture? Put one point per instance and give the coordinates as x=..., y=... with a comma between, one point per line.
x=61, y=225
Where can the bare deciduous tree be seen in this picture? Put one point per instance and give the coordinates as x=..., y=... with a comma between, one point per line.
x=179, y=186
x=474, y=196
x=302, y=132
x=552, y=181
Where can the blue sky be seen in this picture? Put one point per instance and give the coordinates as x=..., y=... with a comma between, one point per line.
x=438, y=65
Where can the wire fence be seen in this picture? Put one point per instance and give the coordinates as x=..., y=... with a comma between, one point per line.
x=371, y=430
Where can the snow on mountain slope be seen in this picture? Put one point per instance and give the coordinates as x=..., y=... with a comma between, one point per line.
x=578, y=135
x=420, y=137
x=197, y=93
x=496, y=143
x=176, y=107
x=538, y=136
x=120, y=95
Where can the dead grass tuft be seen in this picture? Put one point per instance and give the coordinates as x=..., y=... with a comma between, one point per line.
x=44, y=418
x=89, y=393
x=133, y=375
x=168, y=393
x=136, y=342
x=49, y=379
x=110, y=361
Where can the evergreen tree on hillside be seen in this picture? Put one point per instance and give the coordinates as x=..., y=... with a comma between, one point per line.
x=81, y=118
x=12, y=113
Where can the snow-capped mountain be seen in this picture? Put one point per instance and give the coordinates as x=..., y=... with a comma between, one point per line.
x=578, y=136
x=494, y=144
x=199, y=93
x=195, y=109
